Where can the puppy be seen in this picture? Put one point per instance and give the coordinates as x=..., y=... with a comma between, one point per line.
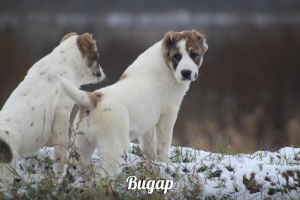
x=39, y=108
x=143, y=104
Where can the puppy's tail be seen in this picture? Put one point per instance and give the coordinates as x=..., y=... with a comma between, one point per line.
x=82, y=99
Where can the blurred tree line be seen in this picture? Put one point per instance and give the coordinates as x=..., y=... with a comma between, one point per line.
x=248, y=93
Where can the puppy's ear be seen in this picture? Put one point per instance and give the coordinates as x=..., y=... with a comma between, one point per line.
x=86, y=45
x=168, y=38
x=201, y=39
x=67, y=36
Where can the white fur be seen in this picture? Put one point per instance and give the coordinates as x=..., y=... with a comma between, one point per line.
x=143, y=105
x=39, y=108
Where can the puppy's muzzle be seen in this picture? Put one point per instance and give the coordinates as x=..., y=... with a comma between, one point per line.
x=99, y=73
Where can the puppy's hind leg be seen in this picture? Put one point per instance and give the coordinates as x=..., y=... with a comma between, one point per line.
x=60, y=129
x=84, y=147
x=148, y=143
x=113, y=143
x=113, y=155
x=79, y=154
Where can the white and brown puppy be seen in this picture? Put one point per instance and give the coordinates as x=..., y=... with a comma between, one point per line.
x=39, y=108
x=143, y=104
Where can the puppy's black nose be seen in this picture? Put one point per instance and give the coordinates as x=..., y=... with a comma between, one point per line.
x=98, y=74
x=186, y=74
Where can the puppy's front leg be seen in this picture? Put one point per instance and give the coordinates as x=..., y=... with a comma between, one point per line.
x=164, y=132
x=60, y=129
x=148, y=143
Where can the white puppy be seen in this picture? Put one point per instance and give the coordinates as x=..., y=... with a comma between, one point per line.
x=143, y=104
x=39, y=108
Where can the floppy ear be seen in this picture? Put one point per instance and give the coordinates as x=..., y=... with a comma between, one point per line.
x=169, y=38
x=67, y=36
x=86, y=44
x=201, y=39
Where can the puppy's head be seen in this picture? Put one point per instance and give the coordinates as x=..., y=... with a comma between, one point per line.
x=88, y=49
x=183, y=53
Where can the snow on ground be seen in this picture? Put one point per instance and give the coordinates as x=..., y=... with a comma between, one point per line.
x=260, y=175
x=245, y=176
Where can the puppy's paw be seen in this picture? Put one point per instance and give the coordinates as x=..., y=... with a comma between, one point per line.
x=162, y=157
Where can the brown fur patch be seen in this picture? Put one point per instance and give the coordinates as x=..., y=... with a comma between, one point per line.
x=86, y=45
x=94, y=98
x=5, y=152
x=169, y=43
x=67, y=36
x=194, y=40
x=123, y=77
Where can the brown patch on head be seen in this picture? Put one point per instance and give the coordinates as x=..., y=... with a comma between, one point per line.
x=94, y=97
x=170, y=49
x=67, y=36
x=169, y=45
x=123, y=77
x=86, y=45
x=196, y=41
x=5, y=152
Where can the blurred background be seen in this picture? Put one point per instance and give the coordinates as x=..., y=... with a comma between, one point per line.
x=248, y=94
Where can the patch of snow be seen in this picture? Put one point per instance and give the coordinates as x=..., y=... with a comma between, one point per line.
x=260, y=175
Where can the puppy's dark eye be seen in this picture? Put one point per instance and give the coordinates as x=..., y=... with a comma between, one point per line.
x=193, y=54
x=177, y=56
